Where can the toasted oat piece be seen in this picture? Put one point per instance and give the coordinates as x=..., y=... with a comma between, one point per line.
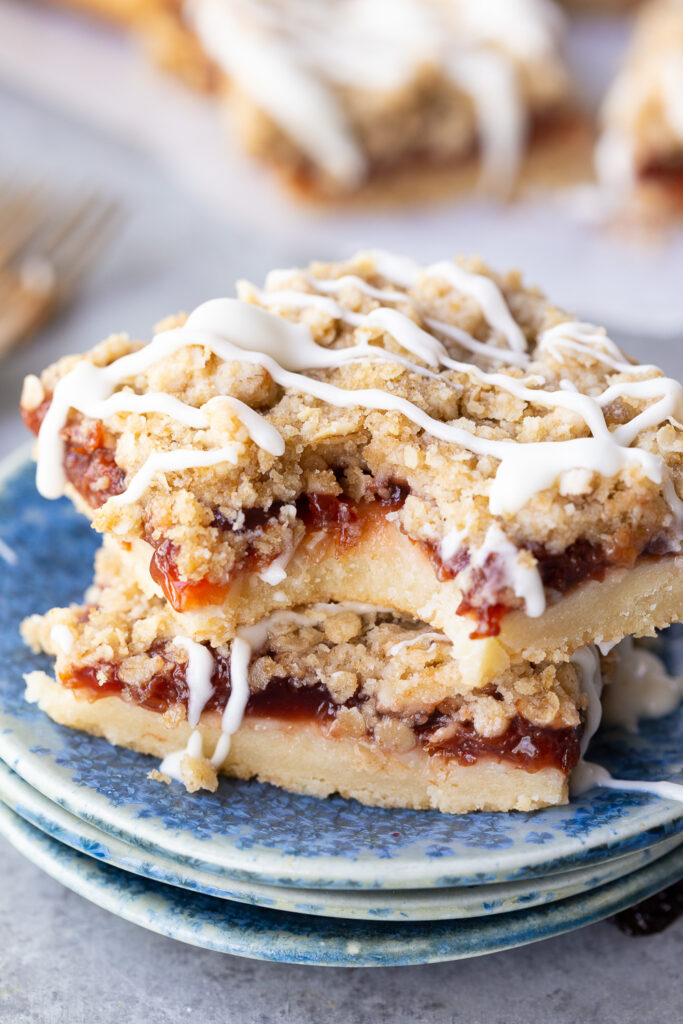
x=640, y=152
x=330, y=698
x=440, y=440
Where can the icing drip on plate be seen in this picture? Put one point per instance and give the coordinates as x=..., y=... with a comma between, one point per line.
x=587, y=774
x=640, y=688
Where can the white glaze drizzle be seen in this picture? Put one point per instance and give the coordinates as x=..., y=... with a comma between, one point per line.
x=172, y=763
x=526, y=28
x=640, y=688
x=290, y=59
x=588, y=340
x=200, y=666
x=524, y=468
x=62, y=637
x=249, y=640
x=296, y=99
x=451, y=544
x=173, y=461
x=525, y=581
x=494, y=88
x=240, y=656
x=276, y=571
x=403, y=271
x=587, y=774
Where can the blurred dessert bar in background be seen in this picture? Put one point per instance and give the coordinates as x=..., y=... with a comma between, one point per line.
x=381, y=99
x=640, y=152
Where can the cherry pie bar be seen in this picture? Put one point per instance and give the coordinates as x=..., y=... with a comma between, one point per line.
x=358, y=96
x=438, y=443
x=382, y=99
x=640, y=152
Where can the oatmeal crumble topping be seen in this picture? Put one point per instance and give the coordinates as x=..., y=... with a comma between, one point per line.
x=212, y=519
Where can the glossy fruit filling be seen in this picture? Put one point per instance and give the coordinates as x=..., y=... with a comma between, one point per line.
x=523, y=744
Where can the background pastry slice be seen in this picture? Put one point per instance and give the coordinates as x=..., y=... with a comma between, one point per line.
x=381, y=100
x=348, y=97
x=640, y=151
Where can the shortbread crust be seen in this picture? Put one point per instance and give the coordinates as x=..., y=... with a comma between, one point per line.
x=623, y=603
x=301, y=761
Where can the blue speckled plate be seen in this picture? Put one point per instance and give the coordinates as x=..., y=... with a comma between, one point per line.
x=248, y=830
x=374, y=905
x=297, y=938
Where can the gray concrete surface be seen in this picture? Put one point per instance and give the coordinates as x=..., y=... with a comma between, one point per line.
x=63, y=961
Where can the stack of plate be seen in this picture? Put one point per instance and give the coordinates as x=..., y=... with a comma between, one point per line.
x=262, y=873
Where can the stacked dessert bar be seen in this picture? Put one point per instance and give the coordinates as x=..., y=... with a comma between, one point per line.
x=369, y=529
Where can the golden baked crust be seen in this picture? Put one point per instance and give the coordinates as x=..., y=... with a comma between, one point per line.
x=299, y=759
x=347, y=472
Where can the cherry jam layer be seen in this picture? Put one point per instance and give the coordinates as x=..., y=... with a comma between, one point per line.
x=89, y=463
x=342, y=520
x=560, y=572
x=90, y=466
x=523, y=744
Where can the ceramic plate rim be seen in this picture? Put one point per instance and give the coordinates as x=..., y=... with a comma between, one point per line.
x=390, y=944
x=658, y=819
x=57, y=823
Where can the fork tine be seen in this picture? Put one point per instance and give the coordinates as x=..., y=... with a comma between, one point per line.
x=81, y=250
x=22, y=312
x=45, y=257
x=60, y=227
x=15, y=197
x=20, y=219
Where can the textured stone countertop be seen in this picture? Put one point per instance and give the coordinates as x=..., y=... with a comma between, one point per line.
x=64, y=960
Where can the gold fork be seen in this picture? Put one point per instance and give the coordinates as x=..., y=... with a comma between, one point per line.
x=46, y=252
